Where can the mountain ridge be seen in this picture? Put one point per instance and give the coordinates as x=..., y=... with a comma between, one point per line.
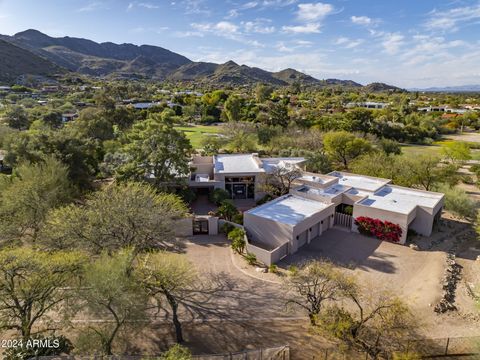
x=112, y=60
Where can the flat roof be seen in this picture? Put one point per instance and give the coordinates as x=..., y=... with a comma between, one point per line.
x=359, y=181
x=330, y=192
x=236, y=163
x=289, y=209
x=401, y=200
x=270, y=164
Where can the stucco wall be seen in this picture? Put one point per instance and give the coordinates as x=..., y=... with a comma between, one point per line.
x=310, y=222
x=401, y=219
x=266, y=231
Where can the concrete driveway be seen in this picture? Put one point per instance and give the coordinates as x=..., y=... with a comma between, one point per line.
x=414, y=275
x=234, y=295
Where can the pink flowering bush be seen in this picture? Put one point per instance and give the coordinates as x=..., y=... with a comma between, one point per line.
x=382, y=230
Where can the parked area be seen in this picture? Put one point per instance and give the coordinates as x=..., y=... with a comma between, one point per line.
x=249, y=298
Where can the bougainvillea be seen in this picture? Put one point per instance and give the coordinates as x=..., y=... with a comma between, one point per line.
x=382, y=230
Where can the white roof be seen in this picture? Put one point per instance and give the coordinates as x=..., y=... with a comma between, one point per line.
x=401, y=200
x=270, y=164
x=236, y=163
x=289, y=209
x=359, y=181
x=331, y=191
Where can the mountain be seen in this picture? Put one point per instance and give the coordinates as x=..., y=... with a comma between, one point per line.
x=15, y=61
x=452, y=89
x=146, y=61
x=91, y=58
x=380, y=87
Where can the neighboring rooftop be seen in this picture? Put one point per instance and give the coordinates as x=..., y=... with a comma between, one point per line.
x=270, y=164
x=359, y=181
x=401, y=200
x=289, y=209
x=236, y=163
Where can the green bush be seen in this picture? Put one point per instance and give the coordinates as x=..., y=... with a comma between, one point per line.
x=273, y=269
x=251, y=259
x=348, y=210
x=226, y=228
x=177, y=352
x=238, y=219
x=227, y=210
x=217, y=196
x=293, y=270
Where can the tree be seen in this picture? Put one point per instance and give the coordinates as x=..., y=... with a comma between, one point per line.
x=458, y=202
x=315, y=283
x=32, y=286
x=233, y=108
x=318, y=162
x=390, y=147
x=81, y=155
x=109, y=292
x=263, y=92
x=456, y=151
x=378, y=324
x=422, y=171
x=344, y=147
x=237, y=237
x=167, y=277
x=358, y=120
x=53, y=119
x=17, y=118
x=27, y=196
x=217, y=196
x=279, y=181
x=278, y=114
x=227, y=210
x=127, y=215
x=157, y=152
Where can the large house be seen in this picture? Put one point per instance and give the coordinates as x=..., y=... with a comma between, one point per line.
x=318, y=202
x=314, y=204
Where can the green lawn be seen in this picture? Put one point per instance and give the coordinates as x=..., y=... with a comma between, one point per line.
x=196, y=133
x=421, y=149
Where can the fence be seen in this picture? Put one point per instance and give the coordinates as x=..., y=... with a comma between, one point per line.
x=275, y=353
x=343, y=220
x=465, y=347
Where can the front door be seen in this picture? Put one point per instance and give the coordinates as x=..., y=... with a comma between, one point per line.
x=239, y=191
x=200, y=226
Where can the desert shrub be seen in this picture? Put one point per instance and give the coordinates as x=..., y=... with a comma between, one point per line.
x=251, y=259
x=273, y=269
x=226, y=228
x=292, y=269
x=217, y=196
x=238, y=218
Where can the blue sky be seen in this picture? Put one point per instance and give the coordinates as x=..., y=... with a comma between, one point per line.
x=409, y=43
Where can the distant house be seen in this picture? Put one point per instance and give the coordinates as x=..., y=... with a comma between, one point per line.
x=367, y=105
x=67, y=117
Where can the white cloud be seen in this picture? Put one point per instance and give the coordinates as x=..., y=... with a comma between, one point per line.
x=452, y=19
x=361, y=20
x=92, y=6
x=392, y=42
x=144, y=5
x=260, y=26
x=313, y=12
x=303, y=29
x=348, y=43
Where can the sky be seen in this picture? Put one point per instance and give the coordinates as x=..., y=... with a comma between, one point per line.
x=408, y=43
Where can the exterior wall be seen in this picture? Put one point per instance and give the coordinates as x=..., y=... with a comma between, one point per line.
x=184, y=227
x=213, y=225
x=310, y=223
x=266, y=231
x=401, y=219
x=423, y=223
